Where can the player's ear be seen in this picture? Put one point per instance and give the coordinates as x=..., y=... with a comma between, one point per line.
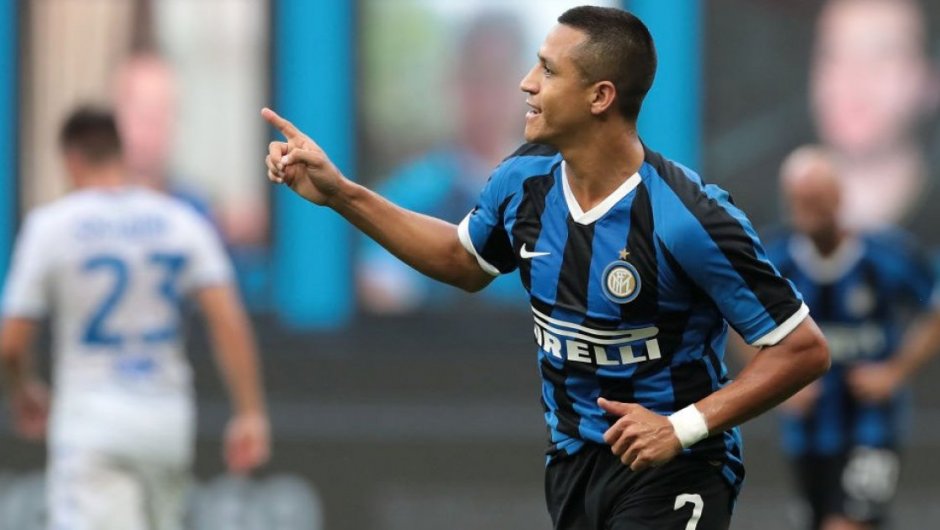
x=603, y=94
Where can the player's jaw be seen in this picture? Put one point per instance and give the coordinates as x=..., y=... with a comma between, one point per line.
x=553, y=120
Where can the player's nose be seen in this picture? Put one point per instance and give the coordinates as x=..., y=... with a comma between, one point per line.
x=528, y=83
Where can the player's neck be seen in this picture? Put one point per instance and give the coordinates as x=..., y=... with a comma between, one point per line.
x=153, y=176
x=600, y=162
x=828, y=243
x=107, y=176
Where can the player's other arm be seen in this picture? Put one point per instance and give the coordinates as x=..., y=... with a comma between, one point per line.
x=722, y=253
x=800, y=403
x=772, y=375
x=247, y=439
x=427, y=244
x=642, y=438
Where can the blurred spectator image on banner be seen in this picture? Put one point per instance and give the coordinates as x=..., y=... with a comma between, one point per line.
x=146, y=99
x=858, y=76
x=73, y=49
x=432, y=136
x=218, y=50
x=185, y=78
x=873, y=90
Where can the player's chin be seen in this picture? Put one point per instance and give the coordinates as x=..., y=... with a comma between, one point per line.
x=534, y=134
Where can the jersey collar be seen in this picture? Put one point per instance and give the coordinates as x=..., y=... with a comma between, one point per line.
x=585, y=218
x=825, y=269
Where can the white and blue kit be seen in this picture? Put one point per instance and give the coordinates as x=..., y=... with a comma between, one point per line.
x=110, y=268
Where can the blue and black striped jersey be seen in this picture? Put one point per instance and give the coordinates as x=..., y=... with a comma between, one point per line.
x=631, y=298
x=861, y=296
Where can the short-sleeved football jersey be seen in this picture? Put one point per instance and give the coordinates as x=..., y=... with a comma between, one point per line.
x=110, y=266
x=862, y=296
x=630, y=299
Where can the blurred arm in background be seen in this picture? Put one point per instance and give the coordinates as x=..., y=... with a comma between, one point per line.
x=877, y=382
x=247, y=437
x=29, y=396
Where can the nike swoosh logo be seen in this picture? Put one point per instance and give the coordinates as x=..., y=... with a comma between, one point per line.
x=525, y=254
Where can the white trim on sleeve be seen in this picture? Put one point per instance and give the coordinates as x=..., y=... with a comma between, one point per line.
x=776, y=335
x=463, y=233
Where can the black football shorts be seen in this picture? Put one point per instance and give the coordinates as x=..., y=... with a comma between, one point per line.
x=593, y=490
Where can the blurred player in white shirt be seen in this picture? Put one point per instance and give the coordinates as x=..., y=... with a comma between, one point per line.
x=110, y=263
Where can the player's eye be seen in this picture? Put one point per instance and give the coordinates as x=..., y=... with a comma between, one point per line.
x=546, y=70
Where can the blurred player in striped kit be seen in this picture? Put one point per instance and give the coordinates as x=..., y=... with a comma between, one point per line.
x=875, y=298
x=110, y=264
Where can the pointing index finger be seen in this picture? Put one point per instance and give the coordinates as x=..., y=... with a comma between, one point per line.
x=287, y=128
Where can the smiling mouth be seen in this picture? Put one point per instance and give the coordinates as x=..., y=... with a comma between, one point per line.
x=533, y=110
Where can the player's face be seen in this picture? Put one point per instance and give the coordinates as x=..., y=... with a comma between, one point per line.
x=559, y=99
x=814, y=207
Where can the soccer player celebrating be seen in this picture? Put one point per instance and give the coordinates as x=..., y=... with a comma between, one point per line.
x=633, y=266
x=842, y=432
x=109, y=263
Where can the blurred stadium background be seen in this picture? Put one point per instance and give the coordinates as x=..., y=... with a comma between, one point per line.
x=396, y=405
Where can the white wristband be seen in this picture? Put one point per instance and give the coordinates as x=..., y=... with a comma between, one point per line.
x=690, y=426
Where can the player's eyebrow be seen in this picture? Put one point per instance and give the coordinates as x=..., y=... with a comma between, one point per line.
x=545, y=61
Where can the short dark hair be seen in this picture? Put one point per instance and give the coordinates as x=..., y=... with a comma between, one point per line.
x=619, y=49
x=92, y=132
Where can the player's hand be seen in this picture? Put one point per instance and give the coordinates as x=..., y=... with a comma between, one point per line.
x=300, y=163
x=641, y=438
x=247, y=442
x=803, y=401
x=874, y=382
x=30, y=404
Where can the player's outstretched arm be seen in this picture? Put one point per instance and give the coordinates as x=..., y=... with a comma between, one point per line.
x=29, y=397
x=247, y=437
x=428, y=244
